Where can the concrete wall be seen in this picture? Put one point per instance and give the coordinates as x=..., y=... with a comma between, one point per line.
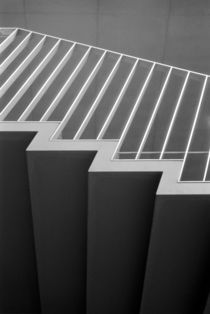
x=19, y=290
x=76, y=240
x=172, y=31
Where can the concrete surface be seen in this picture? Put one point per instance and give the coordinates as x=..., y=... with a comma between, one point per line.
x=171, y=31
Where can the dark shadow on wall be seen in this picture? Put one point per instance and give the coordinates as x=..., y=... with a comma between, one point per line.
x=120, y=213
x=58, y=186
x=18, y=275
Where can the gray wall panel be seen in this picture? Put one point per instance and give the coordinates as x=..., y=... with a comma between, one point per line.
x=120, y=212
x=177, y=274
x=58, y=184
x=18, y=276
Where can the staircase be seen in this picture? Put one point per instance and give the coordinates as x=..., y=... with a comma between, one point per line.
x=104, y=202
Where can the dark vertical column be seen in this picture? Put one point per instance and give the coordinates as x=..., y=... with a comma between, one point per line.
x=119, y=219
x=177, y=275
x=58, y=183
x=18, y=276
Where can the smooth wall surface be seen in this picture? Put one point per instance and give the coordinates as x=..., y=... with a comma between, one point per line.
x=19, y=291
x=172, y=31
